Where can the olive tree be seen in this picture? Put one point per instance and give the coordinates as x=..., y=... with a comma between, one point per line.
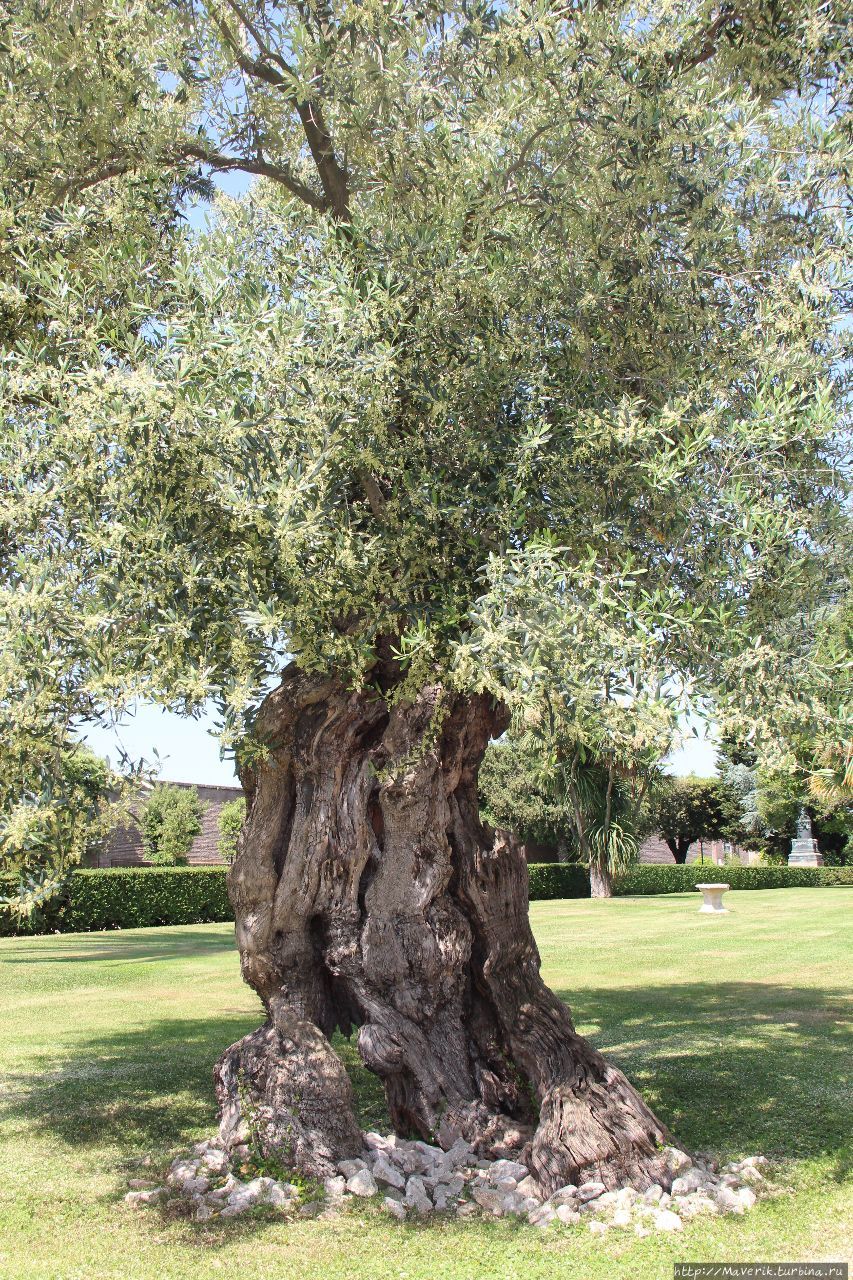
x=510, y=390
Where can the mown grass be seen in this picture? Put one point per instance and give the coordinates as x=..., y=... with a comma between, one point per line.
x=737, y=1029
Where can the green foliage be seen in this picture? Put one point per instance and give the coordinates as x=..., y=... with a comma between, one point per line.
x=688, y=809
x=522, y=355
x=557, y=880
x=518, y=794
x=666, y=879
x=230, y=823
x=141, y=897
x=130, y=898
x=54, y=808
x=552, y=789
x=170, y=819
x=764, y=804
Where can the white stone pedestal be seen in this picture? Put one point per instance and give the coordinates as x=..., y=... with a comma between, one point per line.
x=712, y=899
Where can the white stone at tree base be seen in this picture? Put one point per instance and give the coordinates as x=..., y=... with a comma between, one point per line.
x=136, y=1199
x=690, y=1180
x=385, y=1171
x=421, y=1178
x=507, y=1169
x=416, y=1196
x=542, y=1216
x=362, y=1183
x=564, y=1195
x=666, y=1220
x=712, y=899
x=676, y=1160
x=489, y=1198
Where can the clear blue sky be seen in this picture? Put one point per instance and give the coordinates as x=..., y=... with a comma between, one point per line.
x=189, y=749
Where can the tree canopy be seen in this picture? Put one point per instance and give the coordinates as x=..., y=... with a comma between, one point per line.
x=689, y=809
x=520, y=356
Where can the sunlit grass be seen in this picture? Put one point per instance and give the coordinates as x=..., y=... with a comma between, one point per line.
x=737, y=1029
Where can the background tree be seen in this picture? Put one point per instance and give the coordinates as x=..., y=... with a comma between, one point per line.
x=516, y=793
x=50, y=818
x=517, y=372
x=689, y=809
x=591, y=812
x=232, y=815
x=170, y=820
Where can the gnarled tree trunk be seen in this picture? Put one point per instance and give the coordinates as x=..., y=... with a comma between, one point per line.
x=368, y=894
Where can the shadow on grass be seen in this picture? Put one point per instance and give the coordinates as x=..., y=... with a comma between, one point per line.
x=733, y=1068
x=138, y=946
x=144, y=1090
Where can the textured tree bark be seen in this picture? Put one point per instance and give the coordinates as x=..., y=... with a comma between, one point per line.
x=679, y=849
x=368, y=894
x=600, y=881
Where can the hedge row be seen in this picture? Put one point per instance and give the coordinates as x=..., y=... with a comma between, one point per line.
x=671, y=879
x=142, y=897
x=130, y=898
x=557, y=880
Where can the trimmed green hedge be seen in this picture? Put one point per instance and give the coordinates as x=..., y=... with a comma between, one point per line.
x=142, y=897
x=130, y=898
x=561, y=880
x=557, y=880
x=672, y=879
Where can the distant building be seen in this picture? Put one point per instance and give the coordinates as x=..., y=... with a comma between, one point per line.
x=124, y=846
x=654, y=850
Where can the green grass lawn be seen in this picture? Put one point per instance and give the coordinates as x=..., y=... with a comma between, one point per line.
x=737, y=1029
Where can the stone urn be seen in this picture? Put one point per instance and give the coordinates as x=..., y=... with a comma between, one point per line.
x=712, y=899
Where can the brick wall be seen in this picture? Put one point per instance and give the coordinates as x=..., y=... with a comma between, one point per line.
x=124, y=847
x=655, y=850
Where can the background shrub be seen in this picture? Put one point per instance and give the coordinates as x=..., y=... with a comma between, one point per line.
x=230, y=822
x=557, y=880
x=669, y=879
x=130, y=898
x=170, y=820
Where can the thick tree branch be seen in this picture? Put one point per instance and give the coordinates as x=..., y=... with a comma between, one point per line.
x=262, y=168
x=272, y=69
x=371, y=491
x=694, y=52
x=217, y=160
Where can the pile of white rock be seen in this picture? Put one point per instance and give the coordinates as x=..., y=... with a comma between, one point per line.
x=416, y=1179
